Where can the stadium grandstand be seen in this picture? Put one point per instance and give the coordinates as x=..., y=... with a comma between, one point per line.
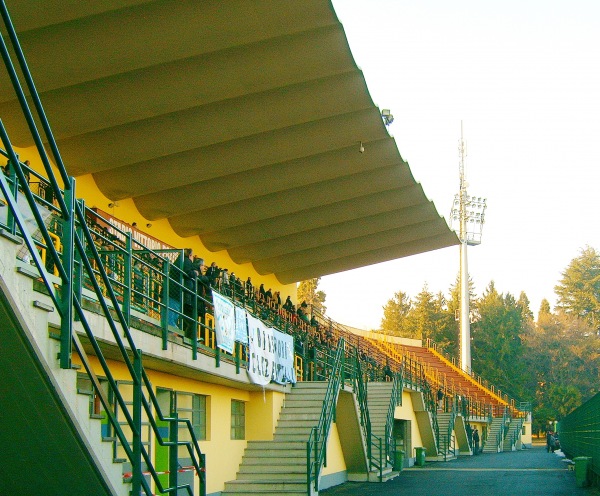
x=173, y=169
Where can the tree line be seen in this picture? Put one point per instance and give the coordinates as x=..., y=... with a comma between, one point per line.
x=552, y=360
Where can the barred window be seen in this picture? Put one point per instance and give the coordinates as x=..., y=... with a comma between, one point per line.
x=238, y=419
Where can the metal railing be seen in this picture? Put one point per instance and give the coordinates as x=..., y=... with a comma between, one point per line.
x=77, y=243
x=354, y=377
x=475, y=378
x=316, y=446
x=395, y=400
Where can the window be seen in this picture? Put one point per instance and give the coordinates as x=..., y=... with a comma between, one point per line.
x=192, y=407
x=238, y=419
x=85, y=386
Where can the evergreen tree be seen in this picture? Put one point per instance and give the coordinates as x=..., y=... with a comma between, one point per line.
x=544, y=309
x=496, y=345
x=308, y=291
x=523, y=304
x=579, y=289
x=395, y=314
x=422, y=316
x=445, y=332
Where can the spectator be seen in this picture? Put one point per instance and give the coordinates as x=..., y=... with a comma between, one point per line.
x=249, y=288
x=225, y=282
x=188, y=274
x=212, y=273
x=476, y=441
x=262, y=294
x=277, y=300
x=138, y=282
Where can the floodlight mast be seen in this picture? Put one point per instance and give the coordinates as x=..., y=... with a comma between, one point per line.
x=468, y=212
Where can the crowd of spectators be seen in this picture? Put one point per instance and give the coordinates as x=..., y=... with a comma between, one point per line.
x=189, y=288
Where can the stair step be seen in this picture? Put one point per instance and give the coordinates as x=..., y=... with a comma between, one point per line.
x=285, y=473
x=302, y=403
x=248, y=491
x=264, y=485
x=270, y=445
x=294, y=416
x=274, y=459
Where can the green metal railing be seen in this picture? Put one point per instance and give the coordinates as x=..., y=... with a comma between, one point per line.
x=353, y=376
x=395, y=400
x=450, y=446
x=580, y=434
x=316, y=446
x=77, y=243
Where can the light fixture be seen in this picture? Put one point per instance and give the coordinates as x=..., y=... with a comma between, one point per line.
x=388, y=118
x=113, y=204
x=134, y=224
x=148, y=225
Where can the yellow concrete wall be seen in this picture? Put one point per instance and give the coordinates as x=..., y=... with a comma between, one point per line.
x=262, y=413
x=406, y=412
x=335, y=455
x=223, y=455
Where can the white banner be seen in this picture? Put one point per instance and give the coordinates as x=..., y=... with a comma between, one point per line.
x=241, y=326
x=284, y=358
x=224, y=322
x=260, y=356
x=270, y=354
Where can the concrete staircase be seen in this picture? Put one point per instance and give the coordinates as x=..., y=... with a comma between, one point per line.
x=514, y=427
x=378, y=401
x=490, y=444
x=278, y=467
x=56, y=413
x=445, y=423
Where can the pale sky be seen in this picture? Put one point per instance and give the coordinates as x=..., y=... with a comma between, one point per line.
x=524, y=77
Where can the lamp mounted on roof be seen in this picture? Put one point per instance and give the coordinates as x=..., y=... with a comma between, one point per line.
x=388, y=118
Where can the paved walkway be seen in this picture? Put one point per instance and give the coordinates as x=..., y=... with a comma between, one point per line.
x=528, y=472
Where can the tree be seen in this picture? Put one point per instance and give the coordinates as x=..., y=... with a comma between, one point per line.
x=445, y=332
x=579, y=289
x=523, y=304
x=496, y=348
x=545, y=309
x=308, y=291
x=563, y=363
x=430, y=318
x=421, y=318
x=395, y=314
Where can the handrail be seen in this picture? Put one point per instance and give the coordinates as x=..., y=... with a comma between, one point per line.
x=316, y=446
x=75, y=242
x=390, y=440
x=474, y=378
x=359, y=386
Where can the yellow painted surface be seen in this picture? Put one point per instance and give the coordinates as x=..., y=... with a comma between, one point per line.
x=335, y=456
x=262, y=413
x=161, y=229
x=406, y=412
x=223, y=455
x=126, y=211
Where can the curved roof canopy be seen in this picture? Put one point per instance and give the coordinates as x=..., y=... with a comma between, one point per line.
x=240, y=121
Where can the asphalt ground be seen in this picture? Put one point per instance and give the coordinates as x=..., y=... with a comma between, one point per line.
x=528, y=472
